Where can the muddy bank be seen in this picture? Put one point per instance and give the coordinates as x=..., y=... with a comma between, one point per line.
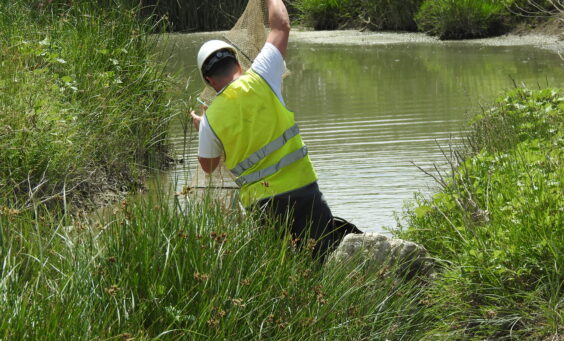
x=550, y=42
x=355, y=37
x=553, y=42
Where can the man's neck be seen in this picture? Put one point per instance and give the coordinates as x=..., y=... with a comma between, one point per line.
x=219, y=88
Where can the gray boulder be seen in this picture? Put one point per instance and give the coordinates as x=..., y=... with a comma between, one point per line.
x=378, y=251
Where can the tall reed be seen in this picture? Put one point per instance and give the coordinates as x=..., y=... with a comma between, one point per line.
x=188, y=271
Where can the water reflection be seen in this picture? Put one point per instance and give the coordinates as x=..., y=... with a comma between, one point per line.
x=369, y=113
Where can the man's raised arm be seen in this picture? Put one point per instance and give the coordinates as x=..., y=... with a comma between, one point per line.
x=279, y=25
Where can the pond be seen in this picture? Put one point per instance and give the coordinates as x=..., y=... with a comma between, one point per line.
x=371, y=115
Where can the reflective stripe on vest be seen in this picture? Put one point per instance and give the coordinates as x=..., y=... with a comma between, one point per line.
x=263, y=173
x=265, y=151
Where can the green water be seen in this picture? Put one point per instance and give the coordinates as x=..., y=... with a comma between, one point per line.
x=368, y=114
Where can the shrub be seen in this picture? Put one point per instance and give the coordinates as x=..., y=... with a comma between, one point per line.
x=371, y=14
x=195, y=15
x=324, y=14
x=459, y=19
x=388, y=14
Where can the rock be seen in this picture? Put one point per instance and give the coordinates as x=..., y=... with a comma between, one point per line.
x=377, y=251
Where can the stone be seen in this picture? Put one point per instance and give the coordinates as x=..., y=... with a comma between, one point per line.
x=378, y=251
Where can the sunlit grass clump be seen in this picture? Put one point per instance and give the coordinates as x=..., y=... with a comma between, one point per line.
x=188, y=271
x=82, y=104
x=498, y=223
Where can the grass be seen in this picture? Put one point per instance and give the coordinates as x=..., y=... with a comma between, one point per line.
x=498, y=224
x=187, y=270
x=194, y=15
x=84, y=108
x=170, y=267
x=460, y=19
x=447, y=19
x=83, y=105
x=374, y=15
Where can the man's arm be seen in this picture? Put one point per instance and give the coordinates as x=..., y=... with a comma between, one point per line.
x=279, y=25
x=213, y=148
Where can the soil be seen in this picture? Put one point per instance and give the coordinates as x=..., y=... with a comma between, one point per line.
x=548, y=36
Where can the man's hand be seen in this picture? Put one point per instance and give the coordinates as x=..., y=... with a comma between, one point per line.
x=279, y=25
x=196, y=120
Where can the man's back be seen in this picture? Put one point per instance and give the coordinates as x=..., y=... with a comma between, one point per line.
x=260, y=139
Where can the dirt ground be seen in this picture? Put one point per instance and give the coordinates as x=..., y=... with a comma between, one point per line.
x=550, y=37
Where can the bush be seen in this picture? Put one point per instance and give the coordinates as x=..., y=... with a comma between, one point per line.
x=460, y=19
x=195, y=15
x=324, y=14
x=388, y=14
x=371, y=14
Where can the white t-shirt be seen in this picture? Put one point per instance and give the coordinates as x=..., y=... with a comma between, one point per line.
x=269, y=64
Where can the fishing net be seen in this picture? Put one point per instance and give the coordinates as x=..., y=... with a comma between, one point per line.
x=248, y=36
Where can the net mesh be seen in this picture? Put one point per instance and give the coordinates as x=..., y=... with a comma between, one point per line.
x=248, y=36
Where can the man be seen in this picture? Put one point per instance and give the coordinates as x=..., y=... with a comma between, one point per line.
x=248, y=121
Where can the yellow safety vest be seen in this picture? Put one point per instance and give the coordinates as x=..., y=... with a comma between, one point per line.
x=263, y=148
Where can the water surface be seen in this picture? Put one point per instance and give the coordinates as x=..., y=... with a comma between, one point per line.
x=370, y=114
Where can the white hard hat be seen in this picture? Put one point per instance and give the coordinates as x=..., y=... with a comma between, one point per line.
x=208, y=49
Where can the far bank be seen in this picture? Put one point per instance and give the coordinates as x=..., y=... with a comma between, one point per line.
x=445, y=19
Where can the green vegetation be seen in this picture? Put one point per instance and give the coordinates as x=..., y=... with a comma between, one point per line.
x=497, y=223
x=458, y=19
x=196, y=15
x=83, y=109
x=161, y=268
x=82, y=105
x=447, y=19
x=374, y=15
x=152, y=269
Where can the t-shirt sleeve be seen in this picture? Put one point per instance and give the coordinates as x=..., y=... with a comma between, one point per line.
x=270, y=65
x=209, y=146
